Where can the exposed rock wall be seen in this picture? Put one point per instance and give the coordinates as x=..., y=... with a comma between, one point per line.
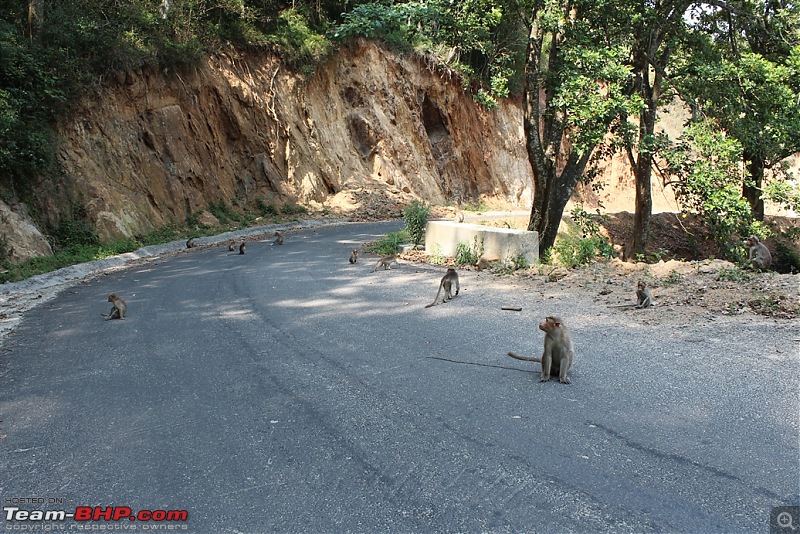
x=150, y=147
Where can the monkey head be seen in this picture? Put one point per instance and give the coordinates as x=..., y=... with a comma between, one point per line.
x=550, y=324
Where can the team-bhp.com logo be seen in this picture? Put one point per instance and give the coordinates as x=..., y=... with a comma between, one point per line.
x=89, y=514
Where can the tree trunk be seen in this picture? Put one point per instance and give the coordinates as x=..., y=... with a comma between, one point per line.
x=751, y=190
x=643, y=171
x=545, y=144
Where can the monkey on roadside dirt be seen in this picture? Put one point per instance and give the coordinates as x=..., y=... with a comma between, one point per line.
x=448, y=281
x=484, y=262
x=231, y=246
x=353, y=256
x=759, y=256
x=190, y=243
x=278, y=239
x=242, y=247
x=386, y=262
x=644, y=298
x=118, y=308
x=559, y=352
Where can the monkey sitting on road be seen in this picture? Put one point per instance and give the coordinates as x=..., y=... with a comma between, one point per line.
x=231, y=246
x=449, y=280
x=353, y=256
x=385, y=262
x=190, y=243
x=758, y=256
x=242, y=248
x=118, y=308
x=559, y=352
x=278, y=239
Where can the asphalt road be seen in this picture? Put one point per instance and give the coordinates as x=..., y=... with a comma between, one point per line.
x=289, y=391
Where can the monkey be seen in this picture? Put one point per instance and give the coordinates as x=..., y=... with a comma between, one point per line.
x=190, y=243
x=759, y=256
x=458, y=216
x=242, y=247
x=448, y=280
x=231, y=246
x=278, y=239
x=484, y=262
x=354, y=256
x=559, y=351
x=118, y=308
x=644, y=297
x=385, y=262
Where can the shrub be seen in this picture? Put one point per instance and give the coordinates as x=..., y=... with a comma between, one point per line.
x=416, y=217
x=388, y=244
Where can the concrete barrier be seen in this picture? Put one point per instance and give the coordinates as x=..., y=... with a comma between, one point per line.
x=443, y=237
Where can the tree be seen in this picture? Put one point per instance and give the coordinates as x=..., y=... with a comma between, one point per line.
x=743, y=70
x=575, y=75
x=657, y=27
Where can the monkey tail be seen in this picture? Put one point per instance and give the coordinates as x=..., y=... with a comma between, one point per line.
x=436, y=299
x=524, y=358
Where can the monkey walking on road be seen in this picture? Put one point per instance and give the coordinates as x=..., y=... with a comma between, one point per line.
x=449, y=280
x=559, y=351
x=385, y=262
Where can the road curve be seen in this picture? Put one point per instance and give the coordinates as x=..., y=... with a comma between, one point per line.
x=289, y=391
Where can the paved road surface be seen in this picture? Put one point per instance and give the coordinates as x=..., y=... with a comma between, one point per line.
x=289, y=391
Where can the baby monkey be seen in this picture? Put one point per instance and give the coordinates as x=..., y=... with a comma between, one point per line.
x=758, y=256
x=448, y=281
x=559, y=352
x=644, y=298
x=278, y=239
x=385, y=262
x=243, y=247
x=353, y=256
x=118, y=308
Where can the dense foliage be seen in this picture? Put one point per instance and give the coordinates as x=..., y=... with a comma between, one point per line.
x=52, y=51
x=593, y=74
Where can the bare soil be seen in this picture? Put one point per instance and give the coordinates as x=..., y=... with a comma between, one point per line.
x=687, y=282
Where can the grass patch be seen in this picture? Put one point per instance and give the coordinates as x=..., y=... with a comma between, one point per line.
x=388, y=244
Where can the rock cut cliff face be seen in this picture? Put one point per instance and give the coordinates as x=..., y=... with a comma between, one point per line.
x=369, y=129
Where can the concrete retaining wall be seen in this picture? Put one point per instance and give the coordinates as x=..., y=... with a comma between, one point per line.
x=444, y=236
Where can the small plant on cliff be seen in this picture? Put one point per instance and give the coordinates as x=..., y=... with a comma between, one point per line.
x=293, y=209
x=73, y=230
x=416, y=217
x=265, y=209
